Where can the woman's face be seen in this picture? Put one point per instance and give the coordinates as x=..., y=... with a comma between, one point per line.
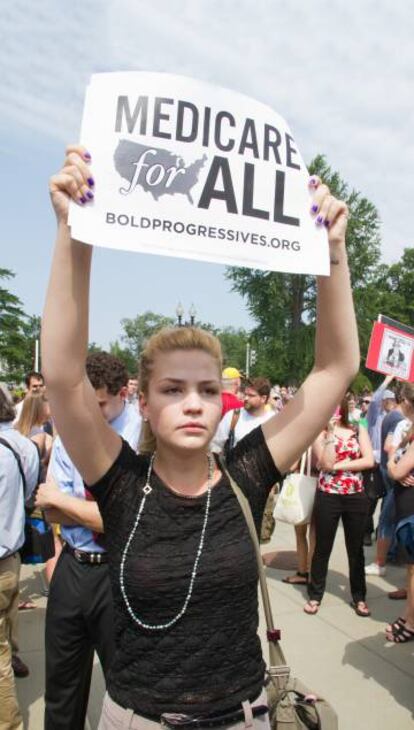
x=183, y=403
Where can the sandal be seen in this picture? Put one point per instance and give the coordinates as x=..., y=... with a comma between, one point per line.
x=395, y=625
x=361, y=608
x=311, y=607
x=401, y=635
x=299, y=579
x=26, y=606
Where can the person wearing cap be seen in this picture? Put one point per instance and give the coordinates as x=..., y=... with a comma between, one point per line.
x=231, y=381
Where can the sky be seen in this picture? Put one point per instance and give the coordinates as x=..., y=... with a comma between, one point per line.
x=341, y=74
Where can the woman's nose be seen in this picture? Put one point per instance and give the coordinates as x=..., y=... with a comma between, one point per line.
x=192, y=402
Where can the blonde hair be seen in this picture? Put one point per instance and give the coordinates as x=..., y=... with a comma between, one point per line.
x=166, y=340
x=32, y=414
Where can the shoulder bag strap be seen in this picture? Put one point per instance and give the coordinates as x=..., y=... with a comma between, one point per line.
x=276, y=656
x=234, y=421
x=229, y=444
x=19, y=462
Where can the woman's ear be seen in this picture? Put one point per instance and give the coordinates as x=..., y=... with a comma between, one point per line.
x=143, y=406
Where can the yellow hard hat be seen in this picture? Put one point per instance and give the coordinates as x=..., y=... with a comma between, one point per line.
x=230, y=373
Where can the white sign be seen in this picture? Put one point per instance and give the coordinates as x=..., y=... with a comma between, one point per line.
x=184, y=168
x=396, y=354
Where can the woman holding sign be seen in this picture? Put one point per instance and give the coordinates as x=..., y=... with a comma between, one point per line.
x=182, y=565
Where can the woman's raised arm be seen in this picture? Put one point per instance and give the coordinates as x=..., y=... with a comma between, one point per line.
x=336, y=345
x=90, y=442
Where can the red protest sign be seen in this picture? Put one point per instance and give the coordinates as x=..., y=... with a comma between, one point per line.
x=391, y=351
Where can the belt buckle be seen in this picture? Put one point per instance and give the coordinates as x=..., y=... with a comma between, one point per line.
x=174, y=721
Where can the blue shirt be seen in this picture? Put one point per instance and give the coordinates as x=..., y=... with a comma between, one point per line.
x=11, y=488
x=375, y=417
x=68, y=479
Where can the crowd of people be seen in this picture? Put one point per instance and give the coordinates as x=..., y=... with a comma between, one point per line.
x=153, y=567
x=80, y=612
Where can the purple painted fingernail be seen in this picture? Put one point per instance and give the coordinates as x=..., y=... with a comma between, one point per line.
x=326, y=223
x=319, y=219
x=89, y=195
x=82, y=200
x=91, y=182
x=314, y=208
x=312, y=181
x=87, y=156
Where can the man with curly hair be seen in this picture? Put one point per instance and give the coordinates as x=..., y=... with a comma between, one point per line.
x=79, y=618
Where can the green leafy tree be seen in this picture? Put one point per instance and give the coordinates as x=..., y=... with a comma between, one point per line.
x=395, y=289
x=93, y=347
x=31, y=331
x=125, y=355
x=233, y=343
x=140, y=328
x=284, y=305
x=13, y=353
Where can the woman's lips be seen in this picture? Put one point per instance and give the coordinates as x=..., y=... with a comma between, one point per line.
x=193, y=426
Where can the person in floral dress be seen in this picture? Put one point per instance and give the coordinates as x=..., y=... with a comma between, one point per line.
x=342, y=452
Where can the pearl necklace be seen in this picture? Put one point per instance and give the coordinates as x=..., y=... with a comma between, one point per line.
x=147, y=491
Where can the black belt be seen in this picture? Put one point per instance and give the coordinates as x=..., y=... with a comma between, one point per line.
x=83, y=557
x=186, y=722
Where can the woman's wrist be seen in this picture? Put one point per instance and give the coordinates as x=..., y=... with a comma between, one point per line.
x=337, y=253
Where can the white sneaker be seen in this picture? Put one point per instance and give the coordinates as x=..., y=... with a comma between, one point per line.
x=375, y=569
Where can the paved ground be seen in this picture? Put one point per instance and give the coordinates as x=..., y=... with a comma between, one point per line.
x=339, y=655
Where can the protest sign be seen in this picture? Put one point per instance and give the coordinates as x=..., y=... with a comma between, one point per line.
x=184, y=168
x=391, y=349
x=393, y=323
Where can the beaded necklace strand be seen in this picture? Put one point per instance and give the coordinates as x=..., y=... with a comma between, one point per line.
x=146, y=492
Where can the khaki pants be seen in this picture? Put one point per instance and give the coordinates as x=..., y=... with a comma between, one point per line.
x=115, y=717
x=10, y=717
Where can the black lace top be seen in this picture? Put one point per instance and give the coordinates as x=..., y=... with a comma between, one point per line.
x=211, y=658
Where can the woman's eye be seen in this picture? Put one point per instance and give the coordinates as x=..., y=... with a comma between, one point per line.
x=211, y=391
x=172, y=390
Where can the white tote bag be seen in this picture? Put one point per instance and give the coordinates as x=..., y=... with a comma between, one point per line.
x=295, y=501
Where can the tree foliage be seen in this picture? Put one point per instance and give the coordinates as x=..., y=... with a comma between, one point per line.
x=31, y=332
x=233, y=344
x=126, y=356
x=140, y=328
x=13, y=350
x=284, y=305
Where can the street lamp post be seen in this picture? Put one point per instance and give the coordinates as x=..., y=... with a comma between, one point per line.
x=180, y=314
x=192, y=313
x=247, y=359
